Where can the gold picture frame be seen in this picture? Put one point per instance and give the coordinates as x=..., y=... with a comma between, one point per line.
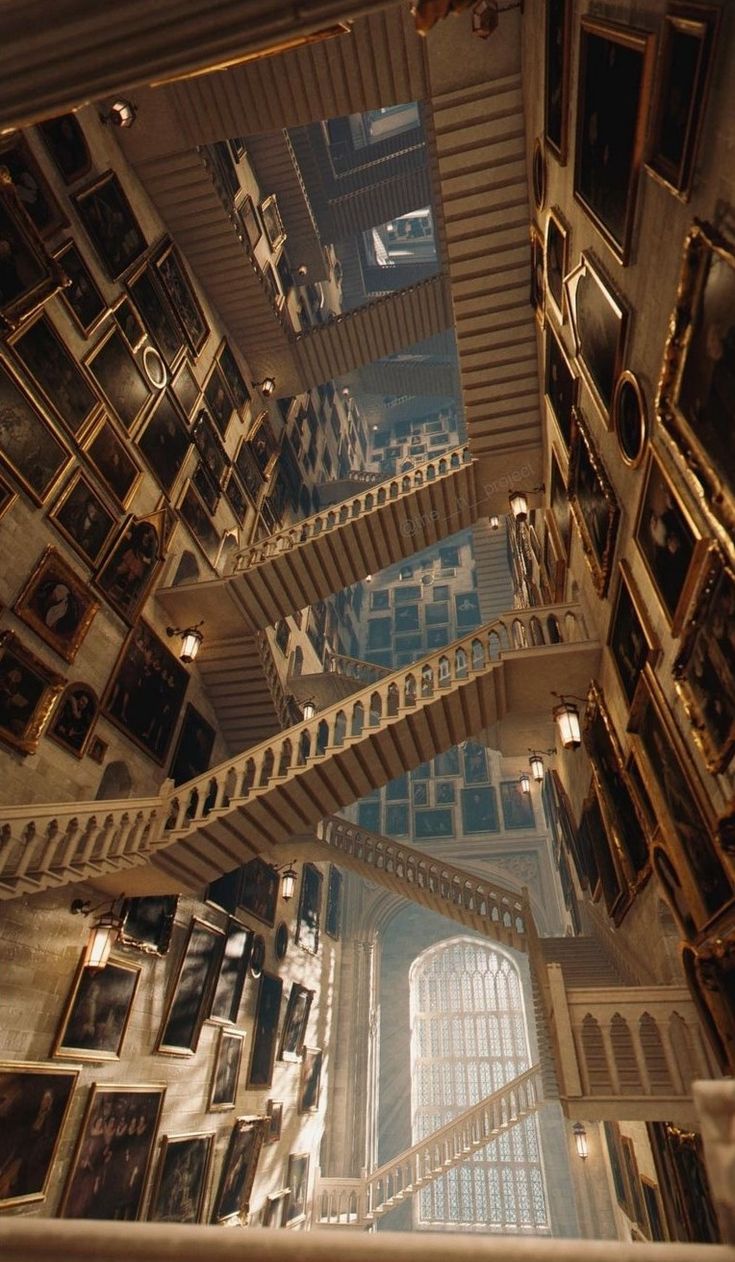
x=97, y=1011
x=57, y=605
x=594, y=504
x=598, y=317
x=624, y=822
x=37, y=1098
x=556, y=262
x=44, y=276
x=631, y=639
x=178, y=1190
x=704, y=670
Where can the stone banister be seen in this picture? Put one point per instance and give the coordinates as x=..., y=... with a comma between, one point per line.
x=355, y=668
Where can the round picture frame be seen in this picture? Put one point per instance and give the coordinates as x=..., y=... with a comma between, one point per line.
x=538, y=174
x=630, y=418
x=281, y=940
x=154, y=367
x=257, y=955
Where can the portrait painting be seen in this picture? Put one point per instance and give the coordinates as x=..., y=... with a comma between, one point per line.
x=467, y=609
x=236, y=496
x=310, y=904
x=238, y=1169
x=667, y=542
x=599, y=322
x=81, y=295
x=475, y=763
x=705, y=667
x=178, y=286
x=29, y=185
x=165, y=442
x=594, y=505
x=191, y=993
x=28, y=690
x=654, y=1209
x=257, y=956
x=537, y=289
x=274, y=1113
x=119, y=378
x=560, y=384
x=613, y=1141
x=631, y=639
x=235, y=381
x=633, y=1179
x=629, y=418
x=146, y=692
x=274, y=1210
x=687, y=46
x=193, y=748
x=556, y=83
x=272, y=222
x=333, y=914
x=59, y=377
x=218, y=399
x=406, y=618
x=696, y=399
x=561, y=513
x=617, y=802
x=421, y=794
x=34, y=1106
x=556, y=262
x=111, y=460
x=194, y=514
x=232, y=972
x=113, y=1153
x=397, y=823
x=83, y=519
x=97, y=1011
x=679, y=802
x=479, y=810
x=262, y=443
x=127, y=573
x=206, y=488
x=247, y=468
x=601, y=860
x=265, y=1031
x=517, y=805
x=209, y=446
x=433, y=823
x=130, y=323
x=223, y=1090
x=615, y=72
x=111, y=225
x=259, y=891
x=446, y=793
x=297, y=1179
x=57, y=605
x=295, y=1022
x=148, y=923
x=73, y=718
x=682, y=1175
x=97, y=750
x=310, y=1082
x=181, y=1179
x=186, y=388
x=249, y=220
x=65, y=141
x=157, y=314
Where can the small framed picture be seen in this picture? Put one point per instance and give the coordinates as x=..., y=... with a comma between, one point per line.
x=310, y=1082
x=265, y=1031
x=238, y=1169
x=599, y=320
x=112, y=227
x=632, y=640
x=97, y=750
x=668, y=542
x=594, y=505
x=81, y=295
x=223, y=1090
x=556, y=82
x=97, y=1011
x=32, y=189
x=119, y=378
x=191, y=996
x=67, y=145
x=74, y=718
x=630, y=419
x=272, y=222
x=36, y=1101
x=57, y=605
x=704, y=670
x=112, y=461
x=556, y=262
x=537, y=288
x=148, y=923
x=274, y=1112
x=157, y=314
x=57, y=374
x=249, y=221
x=295, y=1022
x=181, y=1179
x=29, y=447
x=129, y=569
x=83, y=518
x=180, y=290
x=232, y=973
x=274, y=1210
x=310, y=902
x=560, y=384
x=146, y=691
x=297, y=1179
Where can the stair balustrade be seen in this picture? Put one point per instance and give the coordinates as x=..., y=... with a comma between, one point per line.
x=355, y=668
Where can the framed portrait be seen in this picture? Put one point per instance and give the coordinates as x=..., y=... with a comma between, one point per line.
x=615, y=76
x=36, y=1101
x=274, y=1210
x=538, y=174
x=654, y=1209
x=194, y=514
x=537, y=288
x=247, y=468
x=281, y=940
x=83, y=518
x=223, y=1090
x=97, y=750
x=128, y=571
x=148, y=923
x=238, y=1169
x=601, y=860
x=479, y=810
x=119, y=378
x=272, y=222
x=624, y=823
x=556, y=83
x=474, y=757
x=218, y=399
x=209, y=446
x=113, y=463
x=180, y=1184
x=165, y=441
x=111, y=225
x=668, y=542
x=65, y=141
x=262, y=442
x=613, y=1140
x=191, y=994
x=57, y=605
x=232, y=972
x=146, y=692
x=73, y=718
x=333, y=914
x=28, y=277
x=259, y=890
x=310, y=1082
x=180, y=291
x=60, y=379
x=556, y=262
x=81, y=295
x=446, y=793
x=633, y=1179
x=157, y=314
x=236, y=496
x=599, y=321
x=705, y=667
x=560, y=512
x=249, y=220
x=310, y=905
x=30, y=185
x=194, y=747
x=632, y=640
x=687, y=46
x=265, y=1031
x=295, y=1023
x=130, y=323
x=517, y=805
x=397, y=823
x=433, y=823
x=257, y=956
x=297, y=1179
x=97, y=1011
x=695, y=395
x=683, y=812
x=274, y=1113
x=560, y=384
x=113, y=1152
x=236, y=383
x=594, y=505
x=186, y=388
x=682, y=1176
x=630, y=420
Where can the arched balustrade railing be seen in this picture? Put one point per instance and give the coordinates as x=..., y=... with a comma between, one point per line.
x=355, y=668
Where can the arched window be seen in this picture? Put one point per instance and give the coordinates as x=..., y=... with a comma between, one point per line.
x=116, y=782
x=469, y=1038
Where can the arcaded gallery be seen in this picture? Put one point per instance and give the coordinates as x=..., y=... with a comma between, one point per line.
x=367, y=631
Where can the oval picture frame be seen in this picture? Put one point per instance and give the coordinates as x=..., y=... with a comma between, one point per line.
x=154, y=367
x=257, y=955
x=281, y=940
x=630, y=418
x=538, y=174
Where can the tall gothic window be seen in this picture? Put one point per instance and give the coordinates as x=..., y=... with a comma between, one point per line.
x=468, y=1038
